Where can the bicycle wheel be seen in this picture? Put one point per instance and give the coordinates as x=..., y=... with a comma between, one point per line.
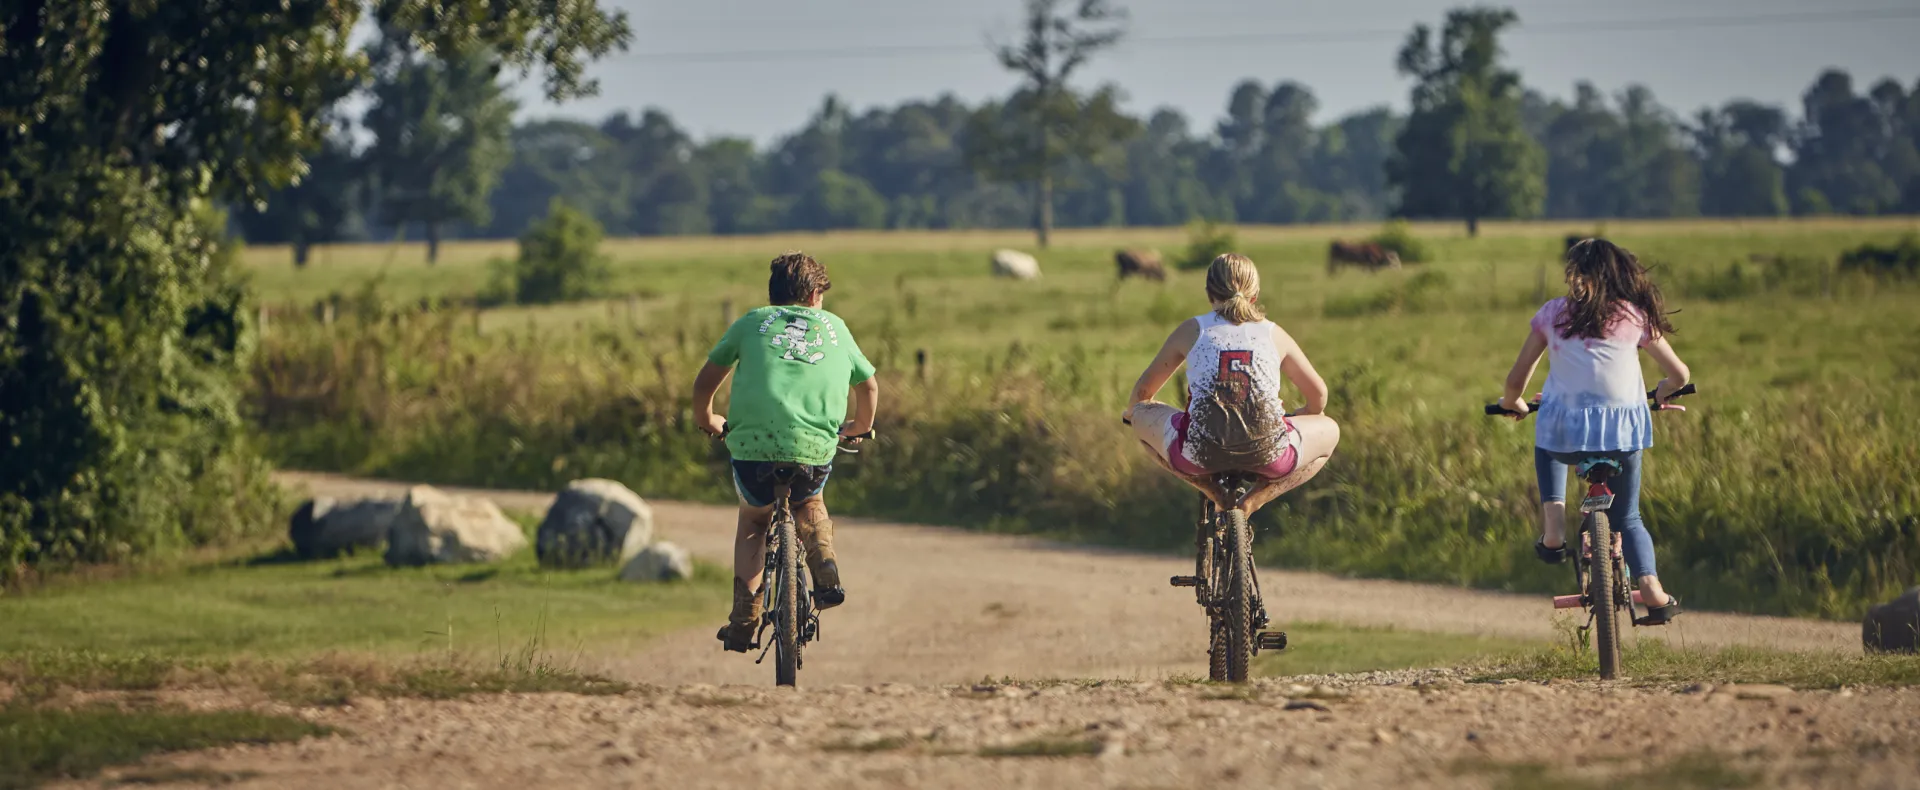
x=1601, y=596
x=786, y=618
x=1239, y=619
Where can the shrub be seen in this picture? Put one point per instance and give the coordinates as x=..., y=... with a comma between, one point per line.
x=1901, y=259
x=1206, y=240
x=1399, y=238
x=1420, y=293
x=559, y=260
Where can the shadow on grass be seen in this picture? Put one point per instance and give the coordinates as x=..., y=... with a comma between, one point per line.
x=43, y=745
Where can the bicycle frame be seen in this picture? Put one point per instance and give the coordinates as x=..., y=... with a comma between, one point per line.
x=1597, y=471
x=770, y=592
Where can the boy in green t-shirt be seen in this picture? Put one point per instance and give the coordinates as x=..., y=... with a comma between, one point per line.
x=796, y=365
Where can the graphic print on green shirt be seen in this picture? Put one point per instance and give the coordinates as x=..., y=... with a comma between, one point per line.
x=793, y=366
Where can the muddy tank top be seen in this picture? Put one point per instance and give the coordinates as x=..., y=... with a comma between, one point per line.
x=1234, y=416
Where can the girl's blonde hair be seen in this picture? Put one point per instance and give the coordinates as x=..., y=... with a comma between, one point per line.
x=1233, y=286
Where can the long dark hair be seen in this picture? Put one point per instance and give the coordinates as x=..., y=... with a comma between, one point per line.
x=1601, y=275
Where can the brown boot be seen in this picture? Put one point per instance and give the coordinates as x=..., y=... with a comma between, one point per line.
x=737, y=635
x=817, y=538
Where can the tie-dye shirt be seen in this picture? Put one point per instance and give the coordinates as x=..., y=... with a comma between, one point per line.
x=1595, y=398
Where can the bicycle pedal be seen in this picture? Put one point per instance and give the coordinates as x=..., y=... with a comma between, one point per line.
x=1271, y=640
x=1184, y=581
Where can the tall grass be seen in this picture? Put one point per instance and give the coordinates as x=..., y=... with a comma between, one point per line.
x=1786, y=490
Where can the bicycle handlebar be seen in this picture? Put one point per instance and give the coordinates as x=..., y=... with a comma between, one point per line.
x=845, y=442
x=1496, y=410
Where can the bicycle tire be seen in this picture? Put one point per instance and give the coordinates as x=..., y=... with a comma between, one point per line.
x=786, y=619
x=1239, y=597
x=1602, y=596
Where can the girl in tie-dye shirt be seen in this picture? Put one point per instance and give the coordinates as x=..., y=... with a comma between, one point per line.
x=1595, y=402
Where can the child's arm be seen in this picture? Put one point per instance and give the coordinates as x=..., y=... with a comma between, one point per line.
x=1670, y=364
x=866, y=405
x=1299, y=371
x=1522, y=372
x=704, y=386
x=1172, y=353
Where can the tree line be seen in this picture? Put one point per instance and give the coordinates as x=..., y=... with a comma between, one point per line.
x=443, y=156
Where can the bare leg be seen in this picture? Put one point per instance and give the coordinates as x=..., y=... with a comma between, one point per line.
x=750, y=544
x=1553, y=520
x=1319, y=435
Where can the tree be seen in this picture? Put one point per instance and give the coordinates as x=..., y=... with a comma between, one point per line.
x=440, y=123
x=1837, y=152
x=318, y=205
x=1045, y=123
x=1464, y=152
x=565, y=159
x=126, y=330
x=1740, y=176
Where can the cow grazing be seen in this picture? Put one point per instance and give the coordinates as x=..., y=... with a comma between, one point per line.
x=1365, y=254
x=1140, y=263
x=1015, y=264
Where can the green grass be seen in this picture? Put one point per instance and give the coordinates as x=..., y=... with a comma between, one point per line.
x=1771, y=495
x=1696, y=771
x=39, y=745
x=271, y=608
x=1318, y=648
x=1045, y=746
x=1658, y=664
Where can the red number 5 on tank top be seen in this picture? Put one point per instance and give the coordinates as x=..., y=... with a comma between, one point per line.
x=1234, y=383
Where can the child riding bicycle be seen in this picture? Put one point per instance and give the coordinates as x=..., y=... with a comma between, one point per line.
x=1234, y=419
x=796, y=364
x=1594, y=404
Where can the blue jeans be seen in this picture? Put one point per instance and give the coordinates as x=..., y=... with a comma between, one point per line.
x=1550, y=468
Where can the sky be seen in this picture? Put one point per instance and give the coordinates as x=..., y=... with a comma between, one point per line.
x=759, y=68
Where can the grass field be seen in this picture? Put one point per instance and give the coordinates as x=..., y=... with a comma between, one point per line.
x=267, y=607
x=1786, y=488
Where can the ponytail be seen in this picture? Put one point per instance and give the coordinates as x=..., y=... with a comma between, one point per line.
x=1233, y=286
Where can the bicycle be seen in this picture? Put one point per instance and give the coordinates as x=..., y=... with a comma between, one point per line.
x=785, y=588
x=1600, y=582
x=1226, y=584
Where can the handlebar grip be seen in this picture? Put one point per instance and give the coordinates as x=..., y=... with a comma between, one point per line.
x=1687, y=389
x=1496, y=410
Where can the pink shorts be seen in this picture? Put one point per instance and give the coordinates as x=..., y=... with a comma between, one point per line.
x=1177, y=457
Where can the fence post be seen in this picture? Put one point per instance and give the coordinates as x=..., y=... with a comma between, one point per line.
x=921, y=360
x=263, y=321
x=1540, y=285
x=726, y=312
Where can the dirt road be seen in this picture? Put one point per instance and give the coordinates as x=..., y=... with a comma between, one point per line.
x=892, y=697
x=934, y=605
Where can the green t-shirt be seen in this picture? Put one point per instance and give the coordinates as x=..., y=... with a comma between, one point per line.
x=790, y=391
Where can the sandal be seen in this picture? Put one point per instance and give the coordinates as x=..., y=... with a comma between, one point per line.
x=1550, y=556
x=1661, y=615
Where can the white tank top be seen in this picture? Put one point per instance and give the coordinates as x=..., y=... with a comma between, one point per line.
x=1233, y=395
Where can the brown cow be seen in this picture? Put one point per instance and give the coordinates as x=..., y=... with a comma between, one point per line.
x=1364, y=254
x=1140, y=263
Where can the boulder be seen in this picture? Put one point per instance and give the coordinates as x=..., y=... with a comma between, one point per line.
x=324, y=527
x=433, y=527
x=660, y=562
x=1015, y=264
x=593, y=522
x=1892, y=626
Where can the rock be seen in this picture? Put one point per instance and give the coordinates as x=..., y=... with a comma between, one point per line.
x=1305, y=704
x=1891, y=627
x=324, y=527
x=1015, y=264
x=660, y=562
x=433, y=527
x=593, y=522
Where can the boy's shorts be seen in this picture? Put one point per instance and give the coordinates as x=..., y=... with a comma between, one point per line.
x=753, y=481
